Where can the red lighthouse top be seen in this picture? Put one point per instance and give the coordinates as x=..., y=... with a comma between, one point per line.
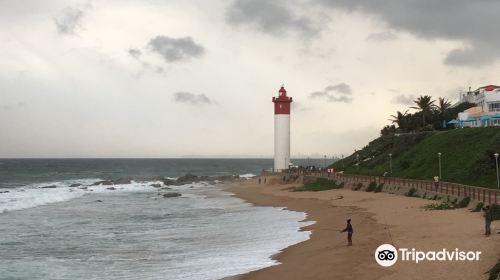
x=282, y=103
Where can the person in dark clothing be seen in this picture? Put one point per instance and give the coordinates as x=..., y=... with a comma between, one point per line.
x=350, y=231
x=488, y=217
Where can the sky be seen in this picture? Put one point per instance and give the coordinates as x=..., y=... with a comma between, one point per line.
x=151, y=78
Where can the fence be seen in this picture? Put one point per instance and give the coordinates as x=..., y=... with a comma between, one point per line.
x=490, y=196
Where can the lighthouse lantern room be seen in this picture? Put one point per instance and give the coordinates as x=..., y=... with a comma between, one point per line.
x=281, y=130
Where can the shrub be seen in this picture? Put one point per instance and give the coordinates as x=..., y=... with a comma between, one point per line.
x=371, y=187
x=358, y=187
x=494, y=271
x=464, y=202
x=379, y=188
x=478, y=207
x=412, y=193
x=321, y=184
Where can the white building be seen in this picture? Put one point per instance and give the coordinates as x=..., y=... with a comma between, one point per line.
x=487, y=111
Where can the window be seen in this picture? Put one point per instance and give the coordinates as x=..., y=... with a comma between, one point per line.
x=494, y=107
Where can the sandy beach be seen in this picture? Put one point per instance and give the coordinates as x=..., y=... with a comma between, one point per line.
x=377, y=218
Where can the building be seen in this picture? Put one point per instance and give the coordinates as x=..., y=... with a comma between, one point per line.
x=487, y=111
x=282, y=130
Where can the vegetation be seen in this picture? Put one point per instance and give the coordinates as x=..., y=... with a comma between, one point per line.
x=467, y=156
x=464, y=202
x=371, y=187
x=321, y=184
x=412, y=193
x=494, y=272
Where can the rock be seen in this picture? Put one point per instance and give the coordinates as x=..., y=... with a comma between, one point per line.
x=83, y=188
x=156, y=185
x=168, y=182
x=4, y=191
x=74, y=185
x=49, y=187
x=165, y=188
x=111, y=188
x=105, y=183
x=122, y=181
x=171, y=195
x=98, y=200
x=187, y=179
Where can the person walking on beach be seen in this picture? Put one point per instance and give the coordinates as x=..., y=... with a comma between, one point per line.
x=488, y=217
x=350, y=231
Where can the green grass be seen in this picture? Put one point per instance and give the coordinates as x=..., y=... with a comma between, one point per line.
x=467, y=156
x=321, y=184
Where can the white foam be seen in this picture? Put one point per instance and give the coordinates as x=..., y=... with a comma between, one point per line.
x=248, y=175
x=36, y=195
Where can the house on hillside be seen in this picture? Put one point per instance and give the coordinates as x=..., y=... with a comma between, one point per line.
x=487, y=109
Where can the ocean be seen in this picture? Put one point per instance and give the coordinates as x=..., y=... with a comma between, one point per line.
x=53, y=230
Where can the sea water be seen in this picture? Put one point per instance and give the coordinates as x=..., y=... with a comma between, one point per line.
x=131, y=232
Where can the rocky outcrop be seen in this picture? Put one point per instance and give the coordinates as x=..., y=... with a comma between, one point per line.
x=74, y=185
x=49, y=187
x=122, y=181
x=111, y=188
x=156, y=185
x=165, y=195
x=104, y=183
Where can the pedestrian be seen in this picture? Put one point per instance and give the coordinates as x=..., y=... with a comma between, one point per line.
x=350, y=231
x=436, y=182
x=488, y=217
x=259, y=180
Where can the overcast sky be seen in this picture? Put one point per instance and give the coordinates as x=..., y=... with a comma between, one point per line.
x=172, y=78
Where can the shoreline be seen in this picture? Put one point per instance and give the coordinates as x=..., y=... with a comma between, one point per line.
x=377, y=219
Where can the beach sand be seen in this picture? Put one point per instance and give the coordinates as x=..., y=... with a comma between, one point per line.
x=377, y=218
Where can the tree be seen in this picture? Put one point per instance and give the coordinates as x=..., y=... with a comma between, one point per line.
x=443, y=105
x=400, y=119
x=425, y=104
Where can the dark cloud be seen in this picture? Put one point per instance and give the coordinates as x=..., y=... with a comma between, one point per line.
x=135, y=53
x=473, y=22
x=175, y=49
x=69, y=21
x=382, y=36
x=274, y=17
x=334, y=93
x=405, y=99
x=191, y=98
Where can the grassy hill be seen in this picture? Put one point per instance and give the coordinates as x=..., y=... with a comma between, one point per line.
x=467, y=156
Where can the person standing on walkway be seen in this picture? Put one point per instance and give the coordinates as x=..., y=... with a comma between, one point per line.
x=488, y=217
x=350, y=231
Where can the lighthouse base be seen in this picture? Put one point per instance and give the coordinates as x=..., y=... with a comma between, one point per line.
x=281, y=142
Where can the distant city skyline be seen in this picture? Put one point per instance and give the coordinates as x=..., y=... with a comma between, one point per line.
x=156, y=79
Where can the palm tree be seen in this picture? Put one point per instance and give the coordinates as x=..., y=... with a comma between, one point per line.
x=399, y=119
x=443, y=105
x=425, y=104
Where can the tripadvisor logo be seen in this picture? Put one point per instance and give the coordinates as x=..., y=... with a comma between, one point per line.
x=387, y=255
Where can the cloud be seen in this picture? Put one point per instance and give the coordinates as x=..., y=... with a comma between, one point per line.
x=69, y=21
x=175, y=49
x=135, y=53
x=334, y=93
x=382, y=36
x=191, y=98
x=405, y=99
x=475, y=23
x=269, y=16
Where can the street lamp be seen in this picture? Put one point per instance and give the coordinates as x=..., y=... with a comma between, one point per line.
x=390, y=162
x=357, y=158
x=439, y=160
x=498, y=179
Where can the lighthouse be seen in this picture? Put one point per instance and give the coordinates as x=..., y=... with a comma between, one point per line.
x=281, y=130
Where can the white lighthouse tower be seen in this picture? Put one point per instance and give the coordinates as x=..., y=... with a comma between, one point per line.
x=281, y=130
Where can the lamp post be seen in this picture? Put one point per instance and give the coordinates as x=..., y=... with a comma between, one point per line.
x=439, y=161
x=498, y=178
x=357, y=158
x=390, y=162
x=325, y=161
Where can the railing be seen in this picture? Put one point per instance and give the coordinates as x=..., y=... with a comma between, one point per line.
x=490, y=196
